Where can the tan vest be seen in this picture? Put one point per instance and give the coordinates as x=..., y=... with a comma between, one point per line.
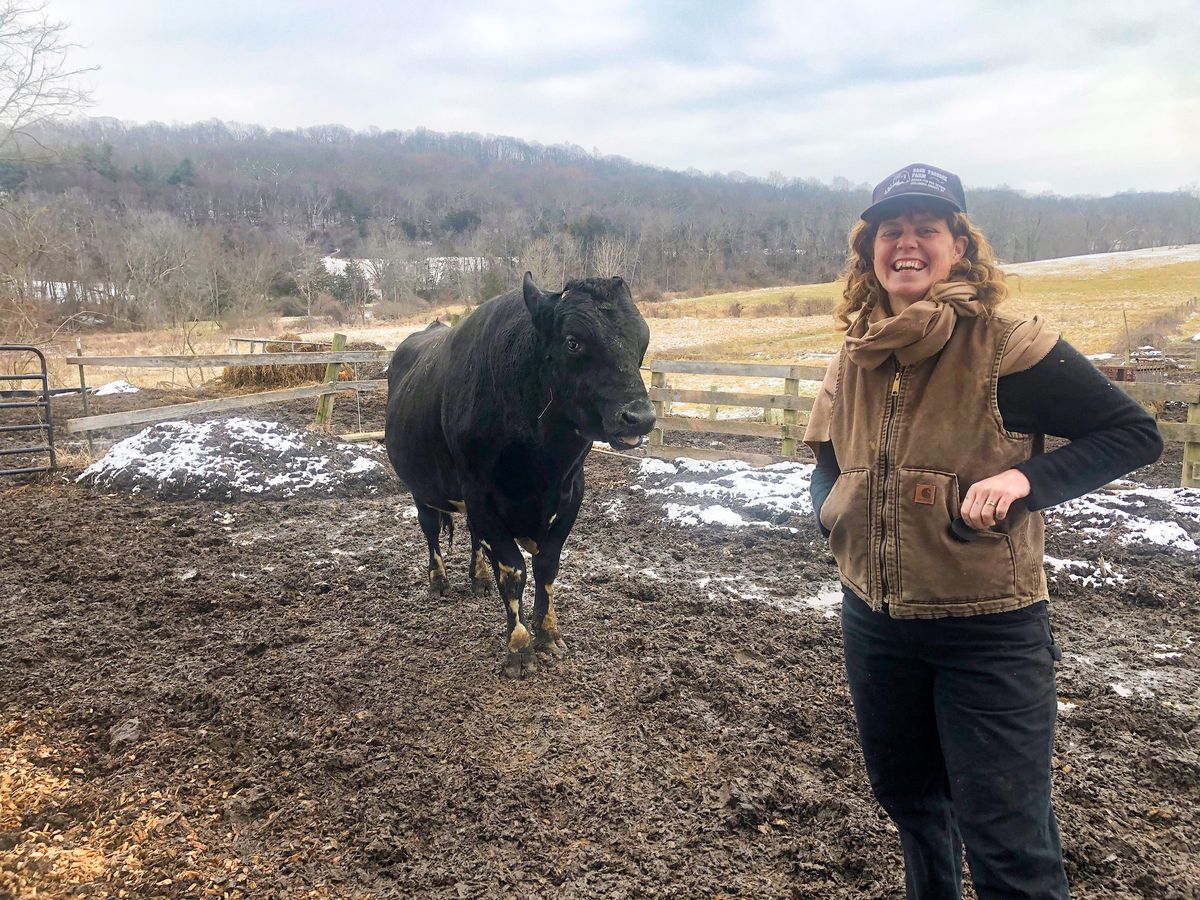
x=910, y=441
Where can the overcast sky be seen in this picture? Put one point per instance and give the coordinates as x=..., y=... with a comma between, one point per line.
x=1075, y=96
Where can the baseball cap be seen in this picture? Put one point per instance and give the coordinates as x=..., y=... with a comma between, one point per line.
x=918, y=180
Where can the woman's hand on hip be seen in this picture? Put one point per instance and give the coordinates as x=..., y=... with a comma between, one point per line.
x=987, y=501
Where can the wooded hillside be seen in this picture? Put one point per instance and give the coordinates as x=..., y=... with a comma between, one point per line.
x=159, y=223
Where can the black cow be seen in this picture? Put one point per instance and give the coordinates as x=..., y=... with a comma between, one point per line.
x=493, y=418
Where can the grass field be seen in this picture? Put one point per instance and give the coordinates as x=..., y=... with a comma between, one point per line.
x=1088, y=299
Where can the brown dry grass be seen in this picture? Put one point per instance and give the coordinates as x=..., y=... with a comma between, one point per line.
x=1090, y=302
x=163, y=342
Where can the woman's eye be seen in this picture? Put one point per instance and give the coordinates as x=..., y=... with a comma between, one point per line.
x=573, y=346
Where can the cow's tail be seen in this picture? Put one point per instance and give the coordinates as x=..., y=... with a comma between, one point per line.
x=448, y=529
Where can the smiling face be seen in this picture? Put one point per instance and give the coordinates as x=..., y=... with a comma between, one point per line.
x=912, y=252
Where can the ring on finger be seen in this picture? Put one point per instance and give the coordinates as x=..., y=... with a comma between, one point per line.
x=989, y=503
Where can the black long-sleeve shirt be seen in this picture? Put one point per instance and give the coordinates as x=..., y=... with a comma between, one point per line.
x=1064, y=395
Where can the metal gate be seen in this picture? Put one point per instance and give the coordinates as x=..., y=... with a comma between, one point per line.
x=37, y=399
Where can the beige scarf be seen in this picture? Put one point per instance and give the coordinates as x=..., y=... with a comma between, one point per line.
x=916, y=334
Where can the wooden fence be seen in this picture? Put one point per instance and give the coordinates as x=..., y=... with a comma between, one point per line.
x=89, y=423
x=790, y=400
x=259, y=345
x=793, y=404
x=795, y=408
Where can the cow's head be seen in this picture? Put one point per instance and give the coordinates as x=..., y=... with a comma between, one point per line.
x=594, y=340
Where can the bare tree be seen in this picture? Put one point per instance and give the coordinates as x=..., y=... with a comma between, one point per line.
x=32, y=234
x=36, y=81
x=540, y=257
x=608, y=255
x=391, y=263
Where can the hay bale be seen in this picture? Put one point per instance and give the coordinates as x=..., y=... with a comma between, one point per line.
x=264, y=377
x=366, y=371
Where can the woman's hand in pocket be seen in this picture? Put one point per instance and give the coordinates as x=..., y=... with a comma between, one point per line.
x=987, y=501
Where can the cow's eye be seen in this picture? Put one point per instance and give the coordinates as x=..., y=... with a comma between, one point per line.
x=573, y=346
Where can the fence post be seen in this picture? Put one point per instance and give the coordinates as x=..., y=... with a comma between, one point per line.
x=83, y=394
x=325, y=401
x=1191, y=452
x=712, y=407
x=657, y=380
x=791, y=387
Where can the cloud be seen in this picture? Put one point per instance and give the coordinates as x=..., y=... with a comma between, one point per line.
x=1093, y=97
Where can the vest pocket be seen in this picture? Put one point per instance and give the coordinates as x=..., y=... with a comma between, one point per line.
x=847, y=514
x=934, y=566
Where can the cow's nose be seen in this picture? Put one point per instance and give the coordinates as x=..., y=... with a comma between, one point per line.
x=637, y=417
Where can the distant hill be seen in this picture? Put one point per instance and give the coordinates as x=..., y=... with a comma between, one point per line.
x=256, y=200
x=484, y=195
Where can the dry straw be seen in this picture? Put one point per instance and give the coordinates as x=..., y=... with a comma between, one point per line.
x=263, y=377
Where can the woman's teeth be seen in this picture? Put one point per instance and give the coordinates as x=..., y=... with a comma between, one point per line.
x=914, y=264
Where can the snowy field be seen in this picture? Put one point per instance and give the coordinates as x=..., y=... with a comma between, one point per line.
x=1103, y=262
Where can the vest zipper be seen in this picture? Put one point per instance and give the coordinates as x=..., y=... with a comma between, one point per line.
x=889, y=419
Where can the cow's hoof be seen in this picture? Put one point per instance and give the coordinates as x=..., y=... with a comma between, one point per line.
x=519, y=665
x=551, y=643
x=438, y=586
x=481, y=586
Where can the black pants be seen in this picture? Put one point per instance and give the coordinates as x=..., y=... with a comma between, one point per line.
x=957, y=718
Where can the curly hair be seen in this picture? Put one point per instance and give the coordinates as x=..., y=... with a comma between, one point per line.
x=977, y=265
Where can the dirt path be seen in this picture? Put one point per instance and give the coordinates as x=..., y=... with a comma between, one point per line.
x=256, y=699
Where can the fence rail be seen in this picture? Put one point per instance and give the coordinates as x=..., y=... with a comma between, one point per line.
x=222, y=404
x=795, y=407
x=790, y=401
x=218, y=360
x=810, y=372
x=725, y=398
x=323, y=391
x=259, y=345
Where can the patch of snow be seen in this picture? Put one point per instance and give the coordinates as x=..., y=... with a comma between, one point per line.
x=1128, y=681
x=614, y=509
x=1101, y=357
x=221, y=459
x=1100, y=513
x=707, y=515
x=734, y=494
x=1099, y=262
x=1092, y=574
x=115, y=387
x=737, y=587
x=726, y=492
x=652, y=466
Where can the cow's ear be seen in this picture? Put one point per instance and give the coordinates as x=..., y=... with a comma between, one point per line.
x=539, y=304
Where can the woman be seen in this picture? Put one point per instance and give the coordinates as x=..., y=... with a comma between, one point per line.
x=934, y=410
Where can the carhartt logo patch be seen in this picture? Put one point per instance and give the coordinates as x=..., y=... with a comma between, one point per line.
x=926, y=493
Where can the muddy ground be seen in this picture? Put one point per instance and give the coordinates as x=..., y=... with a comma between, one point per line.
x=256, y=699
